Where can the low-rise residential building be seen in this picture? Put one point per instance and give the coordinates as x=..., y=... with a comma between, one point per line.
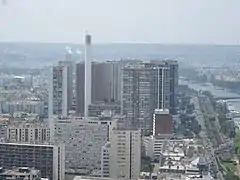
x=153, y=145
x=21, y=173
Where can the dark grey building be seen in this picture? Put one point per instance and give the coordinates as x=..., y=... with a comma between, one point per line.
x=171, y=82
x=146, y=87
x=105, y=83
x=50, y=160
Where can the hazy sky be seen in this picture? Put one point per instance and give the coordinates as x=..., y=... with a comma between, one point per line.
x=161, y=21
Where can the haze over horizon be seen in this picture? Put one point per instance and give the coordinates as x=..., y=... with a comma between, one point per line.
x=112, y=21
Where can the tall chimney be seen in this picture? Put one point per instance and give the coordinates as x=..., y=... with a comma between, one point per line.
x=88, y=73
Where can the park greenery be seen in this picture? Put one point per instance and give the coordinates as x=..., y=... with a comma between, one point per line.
x=188, y=126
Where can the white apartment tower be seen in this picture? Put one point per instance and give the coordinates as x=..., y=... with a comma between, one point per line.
x=58, y=91
x=88, y=74
x=105, y=160
x=125, y=153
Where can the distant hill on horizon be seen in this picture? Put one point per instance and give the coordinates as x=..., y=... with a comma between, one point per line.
x=35, y=55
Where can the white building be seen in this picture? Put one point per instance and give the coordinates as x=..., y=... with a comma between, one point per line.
x=83, y=138
x=105, y=160
x=33, y=131
x=59, y=91
x=125, y=153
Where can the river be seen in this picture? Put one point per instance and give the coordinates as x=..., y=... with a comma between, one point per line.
x=216, y=91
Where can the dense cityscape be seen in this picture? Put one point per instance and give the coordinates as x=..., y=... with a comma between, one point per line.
x=151, y=92
x=117, y=119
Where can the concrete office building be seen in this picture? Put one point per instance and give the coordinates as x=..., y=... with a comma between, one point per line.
x=28, y=106
x=146, y=87
x=106, y=84
x=23, y=131
x=58, y=92
x=48, y=159
x=80, y=88
x=160, y=88
x=173, y=86
x=83, y=138
x=136, y=96
x=125, y=153
x=21, y=173
x=162, y=122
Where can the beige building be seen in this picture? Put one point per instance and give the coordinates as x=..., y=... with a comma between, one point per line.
x=125, y=153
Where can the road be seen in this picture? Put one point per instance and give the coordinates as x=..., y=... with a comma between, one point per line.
x=205, y=139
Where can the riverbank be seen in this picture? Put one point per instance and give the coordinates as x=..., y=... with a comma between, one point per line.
x=216, y=92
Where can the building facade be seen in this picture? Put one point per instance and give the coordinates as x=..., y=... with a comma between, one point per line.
x=136, y=96
x=146, y=87
x=28, y=131
x=105, y=83
x=28, y=106
x=48, y=159
x=125, y=154
x=83, y=138
x=171, y=82
x=58, y=91
x=105, y=160
x=162, y=122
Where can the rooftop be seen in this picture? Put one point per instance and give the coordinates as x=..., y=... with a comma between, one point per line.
x=92, y=178
x=20, y=171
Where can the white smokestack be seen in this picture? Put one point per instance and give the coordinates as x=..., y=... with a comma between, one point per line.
x=88, y=73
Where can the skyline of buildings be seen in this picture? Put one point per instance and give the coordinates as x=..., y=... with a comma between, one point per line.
x=97, y=115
